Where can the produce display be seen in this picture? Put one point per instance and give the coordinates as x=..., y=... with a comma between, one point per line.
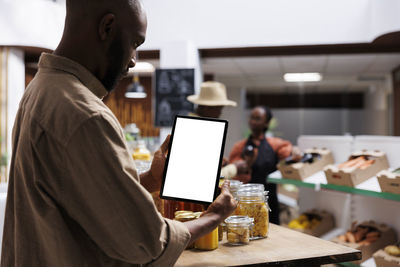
x=393, y=250
x=360, y=162
x=362, y=235
x=305, y=221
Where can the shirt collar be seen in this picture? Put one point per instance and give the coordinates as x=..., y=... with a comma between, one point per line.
x=60, y=63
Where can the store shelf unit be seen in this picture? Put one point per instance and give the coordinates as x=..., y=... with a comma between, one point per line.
x=352, y=190
x=348, y=204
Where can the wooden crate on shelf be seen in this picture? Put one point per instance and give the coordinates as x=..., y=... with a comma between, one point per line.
x=382, y=259
x=302, y=170
x=387, y=236
x=352, y=176
x=389, y=181
x=325, y=222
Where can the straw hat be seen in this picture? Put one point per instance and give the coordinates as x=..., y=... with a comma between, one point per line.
x=211, y=94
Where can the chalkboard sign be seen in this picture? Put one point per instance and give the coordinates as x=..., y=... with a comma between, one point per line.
x=172, y=86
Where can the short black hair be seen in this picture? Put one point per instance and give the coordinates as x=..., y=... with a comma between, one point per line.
x=268, y=112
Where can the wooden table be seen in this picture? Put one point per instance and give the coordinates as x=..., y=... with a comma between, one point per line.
x=283, y=247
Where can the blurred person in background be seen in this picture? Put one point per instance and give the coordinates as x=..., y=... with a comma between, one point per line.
x=267, y=150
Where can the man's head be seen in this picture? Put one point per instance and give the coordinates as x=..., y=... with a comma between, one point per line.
x=103, y=36
x=259, y=119
x=211, y=100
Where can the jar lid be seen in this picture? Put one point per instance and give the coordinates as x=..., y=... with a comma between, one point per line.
x=197, y=214
x=251, y=193
x=179, y=212
x=235, y=183
x=252, y=186
x=185, y=217
x=239, y=220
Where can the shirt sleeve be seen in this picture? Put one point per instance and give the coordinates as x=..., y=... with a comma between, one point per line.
x=102, y=194
x=282, y=147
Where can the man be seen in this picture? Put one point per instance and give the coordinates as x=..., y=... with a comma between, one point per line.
x=74, y=196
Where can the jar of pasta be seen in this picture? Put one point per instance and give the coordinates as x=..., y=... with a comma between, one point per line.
x=238, y=229
x=253, y=203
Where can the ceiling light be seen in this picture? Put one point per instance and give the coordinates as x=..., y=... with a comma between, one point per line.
x=142, y=67
x=302, y=77
x=135, y=89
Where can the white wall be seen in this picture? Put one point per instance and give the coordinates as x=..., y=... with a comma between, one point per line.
x=31, y=23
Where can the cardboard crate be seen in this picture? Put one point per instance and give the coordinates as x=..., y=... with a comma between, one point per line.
x=327, y=223
x=388, y=236
x=354, y=176
x=382, y=259
x=389, y=181
x=300, y=170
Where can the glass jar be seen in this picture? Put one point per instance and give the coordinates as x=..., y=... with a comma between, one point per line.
x=253, y=203
x=221, y=230
x=141, y=152
x=238, y=229
x=234, y=186
x=208, y=241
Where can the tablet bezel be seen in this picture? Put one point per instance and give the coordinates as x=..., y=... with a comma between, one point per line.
x=219, y=163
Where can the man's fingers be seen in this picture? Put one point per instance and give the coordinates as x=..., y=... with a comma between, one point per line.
x=165, y=144
x=225, y=186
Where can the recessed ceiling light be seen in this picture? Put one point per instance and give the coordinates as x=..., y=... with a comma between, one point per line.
x=302, y=77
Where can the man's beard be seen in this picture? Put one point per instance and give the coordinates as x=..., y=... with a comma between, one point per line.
x=114, y=72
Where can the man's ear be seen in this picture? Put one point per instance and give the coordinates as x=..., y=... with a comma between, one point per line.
x=106, y=26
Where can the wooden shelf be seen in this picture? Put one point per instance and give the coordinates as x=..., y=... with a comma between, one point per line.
x=318, y=181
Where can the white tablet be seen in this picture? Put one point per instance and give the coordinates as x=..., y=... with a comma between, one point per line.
x=193, y=164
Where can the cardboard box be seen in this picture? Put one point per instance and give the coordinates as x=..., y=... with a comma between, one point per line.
x=300, y=170
x=327, y=223
x=354, y=176
x=382, y=259
x=388, y=236
x=389, y=181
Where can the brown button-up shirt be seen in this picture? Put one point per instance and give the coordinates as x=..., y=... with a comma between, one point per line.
x=74, y=198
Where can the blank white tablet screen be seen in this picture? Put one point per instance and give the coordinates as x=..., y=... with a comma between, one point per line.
x=194, y=158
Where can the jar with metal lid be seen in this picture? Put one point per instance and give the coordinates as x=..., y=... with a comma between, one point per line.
x=253, y=203
x=238, y=229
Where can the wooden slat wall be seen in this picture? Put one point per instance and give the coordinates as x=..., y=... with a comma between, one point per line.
x=137, y=111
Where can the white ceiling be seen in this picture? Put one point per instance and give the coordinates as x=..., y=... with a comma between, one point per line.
x=339, y=71
x=355, y=72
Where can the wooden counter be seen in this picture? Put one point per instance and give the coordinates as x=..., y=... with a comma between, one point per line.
x=282, y=247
